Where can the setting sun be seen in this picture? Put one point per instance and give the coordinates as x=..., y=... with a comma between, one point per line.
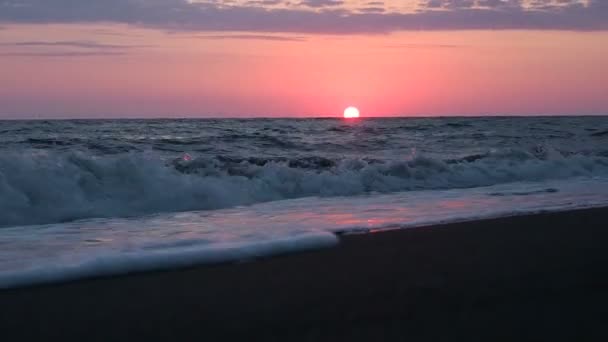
x=351, y=112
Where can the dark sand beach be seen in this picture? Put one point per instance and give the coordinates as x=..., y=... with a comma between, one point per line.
x=530, y=278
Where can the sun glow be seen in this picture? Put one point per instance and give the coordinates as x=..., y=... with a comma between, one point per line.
x=351, y=113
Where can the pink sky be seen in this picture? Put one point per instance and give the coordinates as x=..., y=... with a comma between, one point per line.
x=113, y=69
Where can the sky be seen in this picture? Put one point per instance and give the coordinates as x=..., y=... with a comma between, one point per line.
x=246, y=58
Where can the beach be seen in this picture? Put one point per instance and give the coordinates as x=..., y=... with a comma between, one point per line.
x=535, y=277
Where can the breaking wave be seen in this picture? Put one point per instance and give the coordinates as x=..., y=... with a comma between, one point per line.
x=40, y=187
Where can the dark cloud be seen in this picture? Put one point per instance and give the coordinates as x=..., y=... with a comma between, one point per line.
x=455, y=4
x=434, y=3
x=220, y=15
x=264, y=2
x=81, y=44
x=61, y=54
x=498, y=3
x=64, y=48
x=321, y=3
x=371, y=9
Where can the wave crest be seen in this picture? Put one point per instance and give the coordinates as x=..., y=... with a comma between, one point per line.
x=39, y=187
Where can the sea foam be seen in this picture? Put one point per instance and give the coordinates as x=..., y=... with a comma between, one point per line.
x=109, y=246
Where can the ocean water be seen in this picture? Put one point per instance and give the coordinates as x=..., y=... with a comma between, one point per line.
x=90, y=198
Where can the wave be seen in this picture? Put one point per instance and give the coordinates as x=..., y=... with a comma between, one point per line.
x=42, y=186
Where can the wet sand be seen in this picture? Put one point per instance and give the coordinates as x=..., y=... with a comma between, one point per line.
x=540, y=277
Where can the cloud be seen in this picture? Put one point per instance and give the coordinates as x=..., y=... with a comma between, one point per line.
x=81, y=44
x=254, y=37
x=64, y=48
x=315, y=17
x=425, y=46
x=264, y=2
x=321, y=3
x=371, y=9
x=112, y=32
x=61, y=54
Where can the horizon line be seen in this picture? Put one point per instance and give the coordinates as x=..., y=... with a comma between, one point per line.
x=425, y=116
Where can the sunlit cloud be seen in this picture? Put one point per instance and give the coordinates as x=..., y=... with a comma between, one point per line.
x=424, y=46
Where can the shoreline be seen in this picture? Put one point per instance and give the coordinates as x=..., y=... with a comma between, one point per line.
x=540, y=276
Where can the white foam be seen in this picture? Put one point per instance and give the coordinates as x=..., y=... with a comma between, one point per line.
x=59, y=252
x=68, y=266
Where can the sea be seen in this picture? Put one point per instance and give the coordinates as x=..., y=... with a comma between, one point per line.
x=89, y=198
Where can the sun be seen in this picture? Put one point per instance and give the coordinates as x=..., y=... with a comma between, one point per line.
x=351, y=113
